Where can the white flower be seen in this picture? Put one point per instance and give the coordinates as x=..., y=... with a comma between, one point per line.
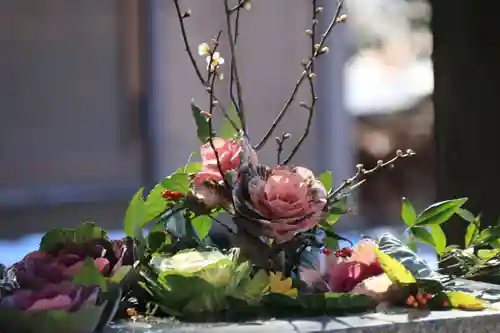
x=216, y=60
x=203, y=49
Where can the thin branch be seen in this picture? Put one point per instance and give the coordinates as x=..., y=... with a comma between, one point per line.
x=234, y=77
x=212, y=77
x=181, y=18
x=280, y=142
x=360, y=177
x=310, y=77
x=319, y=50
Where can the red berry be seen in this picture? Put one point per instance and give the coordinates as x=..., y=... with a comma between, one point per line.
x=327, y=252
x=429, y=297
x=344, y=252
x=445, y=304
x=172, y=195
x=410, y=300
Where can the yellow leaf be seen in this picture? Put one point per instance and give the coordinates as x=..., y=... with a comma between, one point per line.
x=461, y=300
x=279, y=286
x=395, y=270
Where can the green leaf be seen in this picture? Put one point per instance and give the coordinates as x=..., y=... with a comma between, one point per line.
x=461, y=300
x=412, y=243
x=439, y=238
x=227, y=130
x=439, y=212
x=408, y=213
x=202, y=128
x=326, y=179
x=202, y=225
x=136, y=215
x=87, y=231
x=89, y=275
x=396, y=272
x=155, y=203
x=336, y=210
x=347, y=302
x=119, y=275
x=178, y=182
x=423, y=236
x=84, y=320
x=192, y=167
x=472, y=232
x=255, y=288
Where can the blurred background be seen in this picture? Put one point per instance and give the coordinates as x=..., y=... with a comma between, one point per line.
x=95, y=103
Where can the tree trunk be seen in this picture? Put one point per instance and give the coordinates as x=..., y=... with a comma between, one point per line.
x=467, y=105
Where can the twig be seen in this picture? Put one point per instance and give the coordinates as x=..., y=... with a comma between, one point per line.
x=310, y=77
x=361, y=173
x=319, y=49
x=280, y=142
x=234, y=76
x=186, y=43
x=211, y=77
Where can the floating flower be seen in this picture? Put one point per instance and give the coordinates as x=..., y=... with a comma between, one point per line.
x=278, y=203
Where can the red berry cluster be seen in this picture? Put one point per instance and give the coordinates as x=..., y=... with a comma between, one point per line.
x=421, y=299
x=172, y=195
x=343, y=253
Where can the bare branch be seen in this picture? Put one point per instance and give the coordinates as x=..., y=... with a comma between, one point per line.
x=310, y=78
x=280, y=141
x=319, y=50
x=181, y=18
x=359, y=178
x=234, y=76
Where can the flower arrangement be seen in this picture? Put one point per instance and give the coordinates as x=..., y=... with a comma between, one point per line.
x=284, y=257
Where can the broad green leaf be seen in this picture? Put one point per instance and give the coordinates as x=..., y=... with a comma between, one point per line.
x=202, y=225
x=136, y=215
x=202, y=128
x=423, y=236
x=156, y=240
x=326, y=179
x=439, y=212
x=396, y=272
x=178, y=182
x=85, y=232
x=472, y=232
x=461, y=300
x=439, y=238
x=488, y=235
x=155, y=202
x=227, y=130
x=331, y=243
x=89, y=275
x=408, y=213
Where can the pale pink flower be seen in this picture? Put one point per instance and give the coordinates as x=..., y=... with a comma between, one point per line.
x=280, y=202
x=343, y=274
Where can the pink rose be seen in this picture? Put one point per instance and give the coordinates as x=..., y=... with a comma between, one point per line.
x=207, y=182
x=229, y=158
x=343, y=274
x=281, y=202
